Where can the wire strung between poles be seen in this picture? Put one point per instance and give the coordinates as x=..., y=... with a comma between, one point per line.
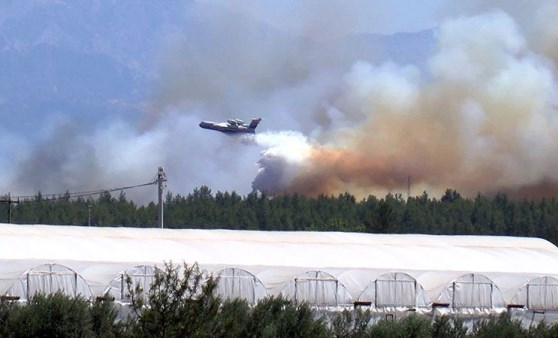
x=68, y=195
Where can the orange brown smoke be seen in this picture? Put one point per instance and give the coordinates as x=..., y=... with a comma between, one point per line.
x=484, y=120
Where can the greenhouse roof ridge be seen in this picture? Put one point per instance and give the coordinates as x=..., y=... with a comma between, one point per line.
x=99, y=254
x=354, y=238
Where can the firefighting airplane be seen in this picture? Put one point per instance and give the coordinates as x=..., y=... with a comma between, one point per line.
x=230, y=127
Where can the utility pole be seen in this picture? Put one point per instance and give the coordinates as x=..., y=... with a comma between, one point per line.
x=89, y=214
x=7, y=199
x=161, y=179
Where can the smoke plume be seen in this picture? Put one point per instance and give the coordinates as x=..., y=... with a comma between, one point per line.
x=344, y=109
x=483, y=119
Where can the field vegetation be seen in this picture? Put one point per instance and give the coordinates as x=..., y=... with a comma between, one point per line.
x=182, y=302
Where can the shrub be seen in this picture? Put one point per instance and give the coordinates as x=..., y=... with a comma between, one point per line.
x=278, y=317
x=55, y=315
x=446, y=327
x=103, y=319
x=233, y=320
x=412, y=326
x=178, y=304
x=350, y=323
x=502, y=326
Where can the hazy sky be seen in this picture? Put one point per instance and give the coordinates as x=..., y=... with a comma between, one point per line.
x=466, y=100
x=471, y=116
x=352, y=16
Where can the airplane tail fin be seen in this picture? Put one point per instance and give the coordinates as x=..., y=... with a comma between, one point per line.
x=254, y=123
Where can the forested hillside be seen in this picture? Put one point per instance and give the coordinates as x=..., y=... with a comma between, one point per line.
x=451, y=214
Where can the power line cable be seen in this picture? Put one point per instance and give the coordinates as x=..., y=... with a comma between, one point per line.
x=78, y=194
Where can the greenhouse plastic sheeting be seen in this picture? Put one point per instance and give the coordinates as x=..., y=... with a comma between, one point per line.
x=317, y=288
x=472, y=293
x=238, y=283
x=141, y=275
x=47, y=279
x=539, y=293
x=354, y=260
x=395, y=291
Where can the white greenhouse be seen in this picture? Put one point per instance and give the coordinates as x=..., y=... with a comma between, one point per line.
x=390, y=274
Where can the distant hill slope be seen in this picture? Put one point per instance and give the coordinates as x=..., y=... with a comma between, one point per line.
x=86, y=58
x=98, y=59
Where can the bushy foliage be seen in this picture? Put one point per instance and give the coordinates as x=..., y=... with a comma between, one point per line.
x=234, y=318
x=6, y=311
x=446, y=327
x=57, y=315
x=53, y=315
x=180, y=303
x=350, y=323
x=543, y=330
x=103, y=319
x=278, y=317
x=411, y=326
x=502, y=326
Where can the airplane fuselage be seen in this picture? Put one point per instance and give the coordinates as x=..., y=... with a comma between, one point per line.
x=232, y=126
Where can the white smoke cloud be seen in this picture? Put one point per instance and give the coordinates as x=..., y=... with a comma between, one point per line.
x=483, y=121
x=481, y=117
x=285, y=155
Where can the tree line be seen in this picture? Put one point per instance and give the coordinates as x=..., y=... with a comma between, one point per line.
x=182, y=302
x=452, y=214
